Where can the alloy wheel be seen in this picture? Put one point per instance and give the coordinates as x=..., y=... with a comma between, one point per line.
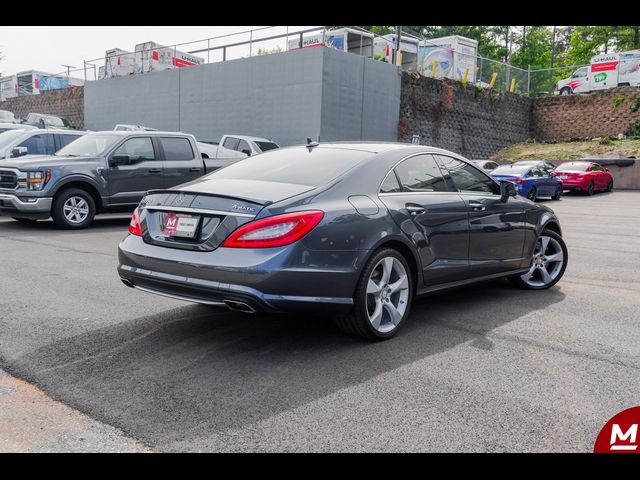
x=532, y=194
x=387, y=294
x=76, y=209
x=548, y=259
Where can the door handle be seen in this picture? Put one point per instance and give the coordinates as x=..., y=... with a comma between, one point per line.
x=477, y=206
x=155, y=170
x=415, y=209
x=194, y=169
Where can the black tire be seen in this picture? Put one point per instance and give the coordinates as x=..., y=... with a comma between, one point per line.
x=609, y=186
x=522, y=284
x=566, y=91
x=591, y=189
x=24, y=220
x=357, y=322
x=533, y=194
x=57, y=210
x=558, y=194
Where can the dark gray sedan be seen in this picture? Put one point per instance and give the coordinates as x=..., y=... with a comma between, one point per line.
x=356, y=230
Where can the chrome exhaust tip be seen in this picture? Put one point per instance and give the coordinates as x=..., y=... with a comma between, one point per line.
x=239, y=306
x=127, y=282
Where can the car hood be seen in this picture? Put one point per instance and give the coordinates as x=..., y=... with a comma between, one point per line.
x=256, y=191
x=43, y=161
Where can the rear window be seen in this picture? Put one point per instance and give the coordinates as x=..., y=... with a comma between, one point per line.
x=176, y=148
x=573, y=167
x=264, y=146
x=511, y=170
x=295, y=166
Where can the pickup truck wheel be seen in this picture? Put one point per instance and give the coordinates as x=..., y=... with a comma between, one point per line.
x=73, y=209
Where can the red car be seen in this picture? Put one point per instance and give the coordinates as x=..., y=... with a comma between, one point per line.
x=584, y=177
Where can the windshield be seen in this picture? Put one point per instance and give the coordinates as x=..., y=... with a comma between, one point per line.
x=264, y=146
x=575, y=167
x=295, y=166
x=515, y=170
x=9, y=136
x=91, y=145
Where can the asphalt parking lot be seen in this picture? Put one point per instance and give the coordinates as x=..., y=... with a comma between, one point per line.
x=486, y=368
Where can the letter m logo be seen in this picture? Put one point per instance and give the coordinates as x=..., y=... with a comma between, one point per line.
x=629, y=437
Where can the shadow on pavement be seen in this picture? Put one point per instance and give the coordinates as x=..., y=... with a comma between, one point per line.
x=195, y=371
x=8, y=225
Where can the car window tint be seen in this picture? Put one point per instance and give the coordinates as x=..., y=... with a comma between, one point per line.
x=466, y=178
x=41, y=144
x=390, y=184
x=537, y=172
x=421, y=174
x=491, y=165
x=242, y=145
x=138, y=148
x=231, y=143
x=67, y=139
x=176, y=148
x=595, y=167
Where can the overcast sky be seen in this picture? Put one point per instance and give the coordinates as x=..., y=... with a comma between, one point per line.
x=48, y=48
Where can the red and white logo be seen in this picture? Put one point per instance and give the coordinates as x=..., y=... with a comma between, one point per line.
x=171, y=224
x=620, y=434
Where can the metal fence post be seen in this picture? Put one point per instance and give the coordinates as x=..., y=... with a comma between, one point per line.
x=208, y=50
x=224, y=54
x=85, y=70
x=250, y=42
x=528, y=80
x=507, y=76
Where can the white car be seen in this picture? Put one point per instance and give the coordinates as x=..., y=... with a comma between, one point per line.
x=35, y=141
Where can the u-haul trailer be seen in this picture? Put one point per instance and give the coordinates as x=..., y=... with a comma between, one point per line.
x=151, y=57
x=32, y=82
x=386, y=45
x=448, y=57
x=118, y=63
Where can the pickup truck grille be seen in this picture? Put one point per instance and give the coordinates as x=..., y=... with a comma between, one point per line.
x=8, y=179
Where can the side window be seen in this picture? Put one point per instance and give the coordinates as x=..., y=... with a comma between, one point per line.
x=176, y=148
x=65, y=140
x=537, y=172
x=581, y=72
x=41, y=144
x=467, y=178
x=595, y=167
x=138, y=148
x=231, y=143
x=243, y=146
x=390, y=184
x=491, y=165
x=421, y=174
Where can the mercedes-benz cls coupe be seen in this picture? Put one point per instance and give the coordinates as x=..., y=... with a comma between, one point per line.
x=354, y=230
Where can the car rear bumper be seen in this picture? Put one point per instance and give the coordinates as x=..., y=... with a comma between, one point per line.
x=286, y=279
x=35, y=207
x=569, y=185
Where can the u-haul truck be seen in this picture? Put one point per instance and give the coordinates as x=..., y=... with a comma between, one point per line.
x=151, y=57
x=605, y=71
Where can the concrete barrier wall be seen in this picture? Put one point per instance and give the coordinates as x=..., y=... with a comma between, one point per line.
x=289, y=96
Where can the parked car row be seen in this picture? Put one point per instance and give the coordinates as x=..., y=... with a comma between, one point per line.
x=540, y=178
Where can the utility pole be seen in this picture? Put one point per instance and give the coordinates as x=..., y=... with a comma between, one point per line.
x=397, y=45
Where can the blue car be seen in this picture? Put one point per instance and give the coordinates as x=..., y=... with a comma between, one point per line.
x=532, y=181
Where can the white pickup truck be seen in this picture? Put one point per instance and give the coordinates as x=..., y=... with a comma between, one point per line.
x=232, y=148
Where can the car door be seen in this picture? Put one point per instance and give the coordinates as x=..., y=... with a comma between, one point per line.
x=181, y=162
x=128, y=183
x=244, y=148
x=599, y=179
x=548, y=180
x=230, y=148
x=539, y=180
x=580, y=80
x=496, y=228
x=433, y=216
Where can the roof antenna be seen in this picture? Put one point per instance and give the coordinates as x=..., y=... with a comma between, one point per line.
x=311, y=144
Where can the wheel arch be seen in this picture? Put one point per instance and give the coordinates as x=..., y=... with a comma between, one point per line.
x=405, y=248
x=83, y=184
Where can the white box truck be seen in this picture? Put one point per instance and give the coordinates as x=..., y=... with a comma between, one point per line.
x=350, y=40
x=448, y=57
x=118, y=63
x=32, y=82
x=8, y=87
x=151, y=56
x=607, y=70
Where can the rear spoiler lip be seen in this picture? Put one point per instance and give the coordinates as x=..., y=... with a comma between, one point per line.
x=256, y=202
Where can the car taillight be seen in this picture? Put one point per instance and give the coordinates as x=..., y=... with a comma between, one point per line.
x=521, y=181
x=134, y=224
x=274, y=231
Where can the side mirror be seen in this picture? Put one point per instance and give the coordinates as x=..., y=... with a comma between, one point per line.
x=19, y=152
x=246, y=151
x=606, y=169
x=552, y=173
x=116, y=160
x=507, y=189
